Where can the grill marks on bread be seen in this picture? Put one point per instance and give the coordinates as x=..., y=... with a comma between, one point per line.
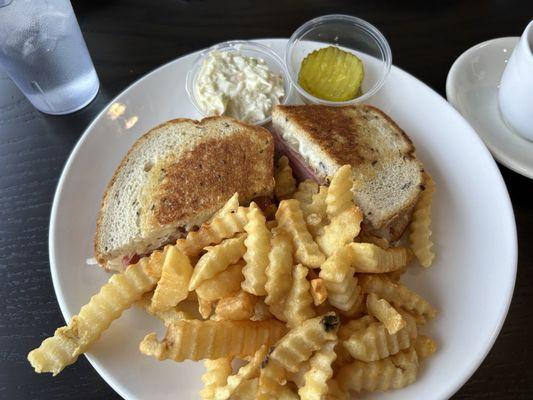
x=352, y=135
x=210, y=173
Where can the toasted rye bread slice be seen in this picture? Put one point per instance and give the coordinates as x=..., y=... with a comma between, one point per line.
x=388, y=177
x=174, y=178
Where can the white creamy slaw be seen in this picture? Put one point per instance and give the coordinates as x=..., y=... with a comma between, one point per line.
x=242, y=87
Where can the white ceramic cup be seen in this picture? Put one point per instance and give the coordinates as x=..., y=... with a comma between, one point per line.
x=516, y=87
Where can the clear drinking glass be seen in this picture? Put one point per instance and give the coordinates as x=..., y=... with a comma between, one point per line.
x=43, y=51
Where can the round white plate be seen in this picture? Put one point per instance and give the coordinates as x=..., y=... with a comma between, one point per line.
x=472, y=88
x=471, y=282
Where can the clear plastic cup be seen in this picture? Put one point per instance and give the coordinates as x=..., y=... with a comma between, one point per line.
x=350, y=34
x=247, y=48
x=43, y=52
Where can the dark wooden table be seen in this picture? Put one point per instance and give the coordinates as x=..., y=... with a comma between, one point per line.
x=129, y=38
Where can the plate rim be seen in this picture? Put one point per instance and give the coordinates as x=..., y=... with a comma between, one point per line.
x=451, y=96
x=121, y=390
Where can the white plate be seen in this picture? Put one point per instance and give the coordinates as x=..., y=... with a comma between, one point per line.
x=472, y=88
x=471, y=282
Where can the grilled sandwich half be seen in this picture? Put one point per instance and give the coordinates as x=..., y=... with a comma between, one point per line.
x=174, y=178
x=388, y=178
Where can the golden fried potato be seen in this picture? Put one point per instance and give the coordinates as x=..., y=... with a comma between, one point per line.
x=224, y=284
x=117, y=295
x=215, y=376
x=341, y=230
x=217, y=259
x=420, y=227
x=225, y=224
x=393, y=372
x=285, y=182
x=298, y=306
x=279, y=273
x=257, y=248
x=340, y=196
x=197, y=340
x=173, y=286
x=384, y=312
x=248, y=371
x=397, y=294
x=290, y=218
x=236, y=308
x=315, y=380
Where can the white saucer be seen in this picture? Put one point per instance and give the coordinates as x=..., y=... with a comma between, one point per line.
x=472, y=88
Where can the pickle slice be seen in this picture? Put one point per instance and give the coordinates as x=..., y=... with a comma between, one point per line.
x=332, y=74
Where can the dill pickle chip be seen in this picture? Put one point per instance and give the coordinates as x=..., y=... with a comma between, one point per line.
x=332, y=74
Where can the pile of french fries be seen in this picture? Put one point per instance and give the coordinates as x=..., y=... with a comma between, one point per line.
x=313, y=307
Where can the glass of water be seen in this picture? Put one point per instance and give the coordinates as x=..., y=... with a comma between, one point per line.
x=43, y=52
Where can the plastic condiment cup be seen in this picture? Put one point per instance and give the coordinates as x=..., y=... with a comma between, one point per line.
x=350, y=34
x=246, y=48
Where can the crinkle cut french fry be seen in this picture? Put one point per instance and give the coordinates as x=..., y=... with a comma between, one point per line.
x=117, y=295
x=230, y=207
x=225, y=225
x=374, y=342
x=316, y=387
x=354, y=325
x=215, y=376
x=279, y=273
x=298, y=345
x=290, y=218
x=285, y=182
x=257, y=249
x=394, y=372
x=248, y=371
x=369, y=258
x=341, y=230
x=358, y=306
x=312, y=200
x=271, y=378
x=298, y=377
x=224, y=284
x=425, y=346
x=174, y=282
x=298, y=307
x=342, y=287
x=197, y=340
x=397, y=294
x=236, y=308
x=217, y=259
x=420, y=227
x=340, y=196
x=384, y=312
x=168, y=316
